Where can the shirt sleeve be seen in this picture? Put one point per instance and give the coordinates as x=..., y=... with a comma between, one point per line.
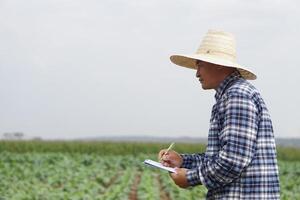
x=191, y=161
x=237, y=139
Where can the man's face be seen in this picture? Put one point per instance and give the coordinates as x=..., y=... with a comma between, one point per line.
x=208, y=74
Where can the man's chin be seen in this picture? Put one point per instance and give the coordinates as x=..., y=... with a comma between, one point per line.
x=205, y=87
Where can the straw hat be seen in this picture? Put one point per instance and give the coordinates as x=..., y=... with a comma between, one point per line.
x=217, y=47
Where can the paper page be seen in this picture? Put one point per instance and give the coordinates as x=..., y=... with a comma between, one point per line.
x=158, y=165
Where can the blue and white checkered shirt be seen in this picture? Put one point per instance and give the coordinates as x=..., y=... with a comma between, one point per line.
x=240, y=159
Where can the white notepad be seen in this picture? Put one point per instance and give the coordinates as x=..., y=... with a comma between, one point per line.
x=158, y=165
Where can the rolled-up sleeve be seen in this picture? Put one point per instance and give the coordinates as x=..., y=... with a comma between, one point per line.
x=237, y=139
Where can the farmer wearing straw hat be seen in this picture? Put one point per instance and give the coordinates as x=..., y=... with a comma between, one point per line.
x=240, y=159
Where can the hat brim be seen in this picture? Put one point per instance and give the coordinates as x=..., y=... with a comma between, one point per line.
x=189, y=61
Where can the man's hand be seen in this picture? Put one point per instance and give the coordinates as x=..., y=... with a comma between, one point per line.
x=179, y=177
x=170, y=158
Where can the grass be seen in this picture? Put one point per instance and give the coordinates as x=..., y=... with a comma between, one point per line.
x=118, y=148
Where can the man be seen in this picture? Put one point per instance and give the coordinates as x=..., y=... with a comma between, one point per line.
x=240, y=158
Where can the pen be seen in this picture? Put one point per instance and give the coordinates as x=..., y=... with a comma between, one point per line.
x=169, y=148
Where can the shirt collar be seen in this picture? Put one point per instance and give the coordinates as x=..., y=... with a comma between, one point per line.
x=226, y=82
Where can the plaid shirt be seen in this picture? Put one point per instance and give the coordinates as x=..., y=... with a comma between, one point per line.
x=240, y=159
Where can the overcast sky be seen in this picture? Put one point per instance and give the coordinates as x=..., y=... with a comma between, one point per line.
x=71, y=69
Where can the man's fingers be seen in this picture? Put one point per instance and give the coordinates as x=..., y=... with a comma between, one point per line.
x=165, y=157
x=165, y=163
x=165, y=160
x=176, y=170
x=161, y=154
x=175, y=174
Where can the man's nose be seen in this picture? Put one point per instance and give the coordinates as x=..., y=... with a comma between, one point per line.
x=198, y=73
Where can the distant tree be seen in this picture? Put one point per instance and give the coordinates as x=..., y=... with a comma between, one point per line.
x=7, y=136
x=13, y=135
x=18, y=135
x=37, y=138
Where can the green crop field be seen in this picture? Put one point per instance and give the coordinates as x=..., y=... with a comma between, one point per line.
x=101, y=170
